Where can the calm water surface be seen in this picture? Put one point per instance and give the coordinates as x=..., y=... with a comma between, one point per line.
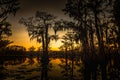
x=30, y=69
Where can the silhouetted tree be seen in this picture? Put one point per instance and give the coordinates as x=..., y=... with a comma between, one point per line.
x=69, y=46
x=79, y=12
x=15, y=50
x=5, y=31
x=4, y=43
x=89, y=15
x=32, y=49
x=38, y=28
x=117, y=19
x=7, y=7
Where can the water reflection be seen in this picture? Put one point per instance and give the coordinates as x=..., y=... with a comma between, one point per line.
x=2, y=69
x=30, y=68
x=21, y=68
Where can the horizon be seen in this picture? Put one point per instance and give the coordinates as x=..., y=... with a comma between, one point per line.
x=28, y=8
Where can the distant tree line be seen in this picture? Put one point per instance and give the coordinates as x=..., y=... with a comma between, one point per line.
x=94, y=33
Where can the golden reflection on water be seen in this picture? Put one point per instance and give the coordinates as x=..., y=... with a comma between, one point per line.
x=27, y=60
x=35, y=60
x=31, y=67
x=55, y=61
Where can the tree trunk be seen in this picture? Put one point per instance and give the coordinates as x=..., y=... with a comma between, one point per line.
x=102, y=60
x=117, y=19
x=45, y=58
x=66, y=63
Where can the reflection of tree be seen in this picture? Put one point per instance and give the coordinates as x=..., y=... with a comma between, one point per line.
x=6, y=7
x=80, y=69
x=38, y=28
x=79, y=11
x=68, y=46
x=14, y=60
x=93, y=26
x=66, y=69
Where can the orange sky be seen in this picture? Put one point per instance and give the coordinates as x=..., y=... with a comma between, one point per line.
x=27, y=9
x=20, y=37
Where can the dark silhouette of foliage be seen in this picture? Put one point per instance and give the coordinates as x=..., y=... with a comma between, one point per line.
x=32, y=48
x=15, y=50
x=93, y=20
x=117, y=20
x=38, y=27
x=4, y=43
x=7, y=7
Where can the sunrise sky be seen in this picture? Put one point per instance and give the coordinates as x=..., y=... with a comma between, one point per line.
x=28, y=9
